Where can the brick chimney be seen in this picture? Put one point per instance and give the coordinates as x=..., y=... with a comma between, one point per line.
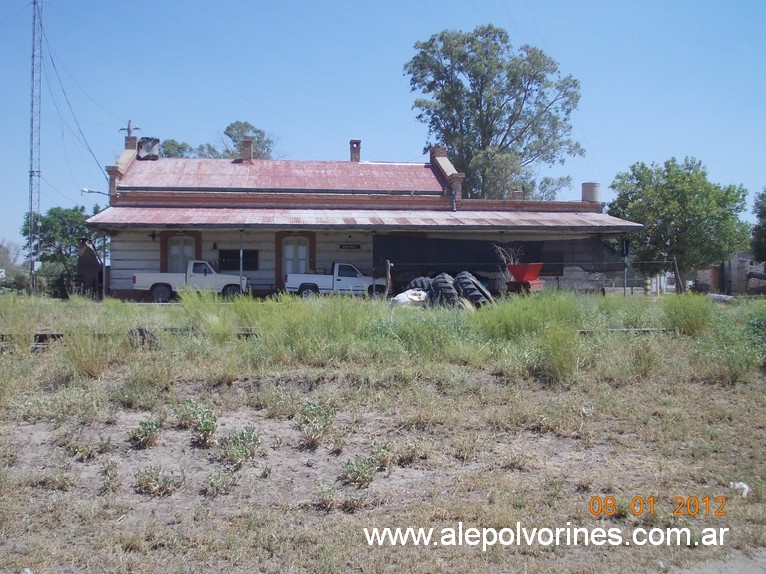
x=356, y=150
x=438, y=151
x=246, y=149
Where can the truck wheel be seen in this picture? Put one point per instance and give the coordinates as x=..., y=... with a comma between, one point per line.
x=161, y=293
x=230, y=291
x=307, y=291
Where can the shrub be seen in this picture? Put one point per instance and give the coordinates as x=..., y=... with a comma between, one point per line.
x=155, y=481
x=146, y=433
x=204, y=427
x=314, y=423
x=186, y=414
x=359, y=471
x=240, y=447
x=218, y=482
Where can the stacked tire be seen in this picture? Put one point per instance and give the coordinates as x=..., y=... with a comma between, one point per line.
x=445, y=290
x=469, y=287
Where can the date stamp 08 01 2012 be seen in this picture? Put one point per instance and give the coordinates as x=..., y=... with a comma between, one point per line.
x=639, y=505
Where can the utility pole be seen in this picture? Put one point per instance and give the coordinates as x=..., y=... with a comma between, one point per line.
x=130, y=128
x=34, y=144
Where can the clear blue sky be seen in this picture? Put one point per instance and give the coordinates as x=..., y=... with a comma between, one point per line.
x=658, y=79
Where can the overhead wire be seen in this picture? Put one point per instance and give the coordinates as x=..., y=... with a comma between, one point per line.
x=83, y=139
x=57, y=190
x=13, y=15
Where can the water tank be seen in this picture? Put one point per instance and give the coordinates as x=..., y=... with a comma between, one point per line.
x=591, y=191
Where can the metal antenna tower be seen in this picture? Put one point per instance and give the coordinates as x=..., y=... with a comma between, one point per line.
x=34, y=144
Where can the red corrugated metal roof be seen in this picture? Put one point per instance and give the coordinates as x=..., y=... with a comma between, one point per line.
x=223, y=174
x=120, y=217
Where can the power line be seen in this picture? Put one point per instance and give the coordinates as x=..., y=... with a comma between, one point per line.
x=71, y=110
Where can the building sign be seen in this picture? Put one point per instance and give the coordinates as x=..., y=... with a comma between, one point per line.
x=350, y=246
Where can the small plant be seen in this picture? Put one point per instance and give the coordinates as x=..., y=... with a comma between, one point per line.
x=508, y=256
x=219, y=482
x=186, y=414
x=553, y=489
x=513, y=461
x=326, y=497
x=58, y=480
x=85, y=450
x=155, y=481
x=200, y=418
x=409, y=453
x=465, y=447
x=360, y=472
x=276, y=442
x=204, y=427
x=338, y=444
x=146, y=433
x=383, y=454
x=266, y=471
x=315, y=421
x=353, y=502
x=277, y=402
x=110, y=481
x=240, y=447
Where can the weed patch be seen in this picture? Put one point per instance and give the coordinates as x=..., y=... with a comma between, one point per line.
x=239, y=447
x=156, y=481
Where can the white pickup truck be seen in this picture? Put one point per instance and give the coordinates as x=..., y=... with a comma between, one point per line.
x=199, y=275
x=345, y=278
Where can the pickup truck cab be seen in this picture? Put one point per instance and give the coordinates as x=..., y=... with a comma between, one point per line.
x=199, y=275
x=345, y=278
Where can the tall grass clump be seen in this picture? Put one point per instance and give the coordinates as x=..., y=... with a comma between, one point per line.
x=91, y=353
x=402, y=334
x=317, y=331
x=21, y=317
x=688, y=314
x=521, y=316
x=559, y=349
x=755, y=319
x=205, y=312
x=727, y=355
x=618, y=312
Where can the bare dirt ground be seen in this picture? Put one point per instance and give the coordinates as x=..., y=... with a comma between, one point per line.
x=487, y=454
x=736, y=563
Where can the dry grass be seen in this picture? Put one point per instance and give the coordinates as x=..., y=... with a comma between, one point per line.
x=371, y=417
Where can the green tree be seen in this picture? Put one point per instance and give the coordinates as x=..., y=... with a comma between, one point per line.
x=500, y=112
x=231, y=140
x=687, y=219
x=10, y=254
x=173, y=148
x=758, y=238
x=60, y=232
